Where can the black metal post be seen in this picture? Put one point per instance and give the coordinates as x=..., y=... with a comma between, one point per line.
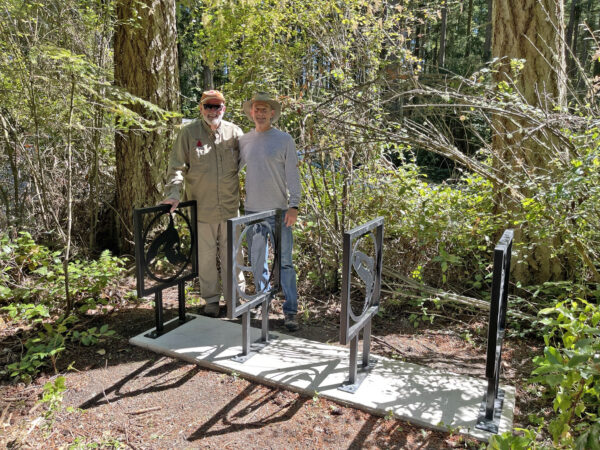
x=366, y=344
x=246, y=332
x=158, y=312
x=369, y=270
x=353, y=358
x=231, y=278
x=181, y=301
x=491, y=407
x=265, y=320
x=346, y=279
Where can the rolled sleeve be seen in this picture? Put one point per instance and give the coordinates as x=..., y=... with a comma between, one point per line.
x=178, y=166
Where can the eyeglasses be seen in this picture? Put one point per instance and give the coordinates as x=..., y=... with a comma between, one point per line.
x=209, y=106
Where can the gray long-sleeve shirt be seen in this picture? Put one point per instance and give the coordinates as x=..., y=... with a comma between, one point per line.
x=271, y=170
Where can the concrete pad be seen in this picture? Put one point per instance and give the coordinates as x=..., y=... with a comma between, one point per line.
x=426, y=397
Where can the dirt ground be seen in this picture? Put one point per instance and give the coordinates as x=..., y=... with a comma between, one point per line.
x=120, y=396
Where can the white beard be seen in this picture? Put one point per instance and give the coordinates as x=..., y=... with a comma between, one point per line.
x=212, y=122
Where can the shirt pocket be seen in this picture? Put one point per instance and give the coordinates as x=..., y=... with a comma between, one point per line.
x=202, y=158
x=231, y=155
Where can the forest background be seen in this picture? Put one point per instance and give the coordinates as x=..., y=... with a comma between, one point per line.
x=454, y=120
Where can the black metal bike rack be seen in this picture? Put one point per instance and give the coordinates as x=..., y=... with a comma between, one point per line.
x=234, y=293
x=169, y=240
x=369, y=271
x=491, y=408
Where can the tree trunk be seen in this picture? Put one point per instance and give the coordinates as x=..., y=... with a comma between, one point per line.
x=532, y=30
x=571, y=36
x=442, y=52
x=145, y=65
x=469, y=24
x=102, y=59
x=596, y=65
x=209, y=82
x=487, y=46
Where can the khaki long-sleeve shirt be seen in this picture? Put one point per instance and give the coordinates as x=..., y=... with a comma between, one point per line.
x=206, y=163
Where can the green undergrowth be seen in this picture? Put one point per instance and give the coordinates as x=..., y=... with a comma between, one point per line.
x=567, y=377
x=32, y=297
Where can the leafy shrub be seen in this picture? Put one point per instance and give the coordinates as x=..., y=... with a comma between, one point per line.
x=92, y=335
x=33, y=289
x=27, y=312
x=569, y=371
x=32, y=274
x=570, y=368
x=52, y=397
x=49, y=343
x=443, y=234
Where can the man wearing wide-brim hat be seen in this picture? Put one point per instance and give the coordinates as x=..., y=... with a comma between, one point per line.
x=273, y=181
x=204, y=161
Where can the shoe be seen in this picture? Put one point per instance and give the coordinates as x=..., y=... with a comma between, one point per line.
x=212, y=309
x=290, y=322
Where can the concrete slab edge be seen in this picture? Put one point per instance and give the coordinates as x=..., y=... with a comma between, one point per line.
x=507, y=410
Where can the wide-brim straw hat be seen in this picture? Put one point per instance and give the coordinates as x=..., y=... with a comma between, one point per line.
x=262, y=97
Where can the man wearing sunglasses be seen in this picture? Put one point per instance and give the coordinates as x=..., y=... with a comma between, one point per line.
x=204, y=161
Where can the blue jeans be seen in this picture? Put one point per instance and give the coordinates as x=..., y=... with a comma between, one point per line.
x=288, y=273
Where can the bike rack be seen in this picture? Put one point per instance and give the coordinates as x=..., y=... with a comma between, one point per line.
x=369, y=271
x=233, y=292
x=166, y=245
x=491, y=408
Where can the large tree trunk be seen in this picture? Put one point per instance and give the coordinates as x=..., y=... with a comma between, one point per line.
x=532, y=30
x=145, y=65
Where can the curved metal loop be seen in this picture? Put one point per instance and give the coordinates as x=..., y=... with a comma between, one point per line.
x=364, y=266
x=168, y=242
x=264, y=229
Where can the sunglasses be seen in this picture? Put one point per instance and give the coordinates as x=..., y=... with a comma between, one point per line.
x=209, y=106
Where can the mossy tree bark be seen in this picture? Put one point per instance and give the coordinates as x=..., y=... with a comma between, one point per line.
x=145, y=54
x=530, y=30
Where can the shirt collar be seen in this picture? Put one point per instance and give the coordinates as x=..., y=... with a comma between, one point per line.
x=209, y=129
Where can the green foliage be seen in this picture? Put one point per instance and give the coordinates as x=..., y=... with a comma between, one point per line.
x=28, y=312
x=34, y=281
x=569, y=372
x=52, y=397
x=442, y=234
x=34, y=274
x=570, y=368
x=92, y=335
x=525, y=440
x=47, y=345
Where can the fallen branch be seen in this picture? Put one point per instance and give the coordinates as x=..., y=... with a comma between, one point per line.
x=387, y=344
x=145, y=410
x=34, y=407
x=4, y=414
x=450, y=297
